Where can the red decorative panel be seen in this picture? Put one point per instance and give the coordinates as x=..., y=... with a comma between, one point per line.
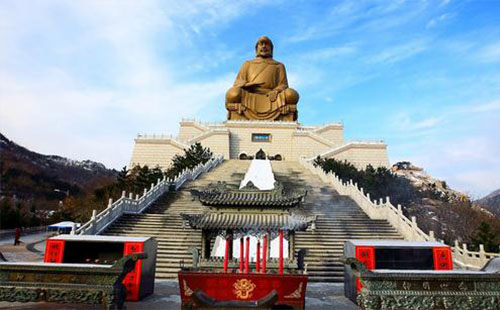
x=54, y=251
x=442, y=258
x=291, y=288
x=132, y=280
x=366, y=255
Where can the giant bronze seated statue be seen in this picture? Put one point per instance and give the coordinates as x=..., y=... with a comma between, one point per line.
x=261, y=90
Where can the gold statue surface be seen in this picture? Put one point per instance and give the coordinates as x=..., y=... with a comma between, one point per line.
x=261, y=90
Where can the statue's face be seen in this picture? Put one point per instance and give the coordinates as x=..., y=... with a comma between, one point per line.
x=264, y=48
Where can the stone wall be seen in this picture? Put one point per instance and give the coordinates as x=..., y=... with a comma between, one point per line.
x=190, y=129
x=280, y=138
x=232, y=138
x=332, y=132
x=360, y=154
x=155, y=151
x=307, y=144
x=216, y=140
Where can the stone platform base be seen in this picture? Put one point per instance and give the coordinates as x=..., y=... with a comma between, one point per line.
x=240, y=139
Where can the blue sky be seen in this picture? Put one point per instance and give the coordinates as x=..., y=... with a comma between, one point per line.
x=82, y=78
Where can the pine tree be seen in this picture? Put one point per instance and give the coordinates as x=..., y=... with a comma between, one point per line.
x=143, y=179
x=123, y=178
x=484, y=235
x=196, y=154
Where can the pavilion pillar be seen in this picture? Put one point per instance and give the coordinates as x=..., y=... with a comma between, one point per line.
x=264, y=254
x=226, y=254
x=291, y=244
x=242, y=249
x=257, y=262
x=204, y=237
x=230, y=235
x=280, y=260
x=247, y=255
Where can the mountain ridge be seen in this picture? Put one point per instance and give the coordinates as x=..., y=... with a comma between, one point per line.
x=490, y=202
x=26, y=174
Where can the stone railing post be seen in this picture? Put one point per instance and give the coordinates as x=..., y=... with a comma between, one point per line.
x=466, y=258
x=414, y=225
x=482, y=254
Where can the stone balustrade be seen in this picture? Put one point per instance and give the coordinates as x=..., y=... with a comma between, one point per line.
x=135, y=205
x=408, y=228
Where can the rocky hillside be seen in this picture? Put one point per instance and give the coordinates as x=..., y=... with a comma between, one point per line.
x=30, y=175
x=425, y=182
x=449, y=213
x=490, y=202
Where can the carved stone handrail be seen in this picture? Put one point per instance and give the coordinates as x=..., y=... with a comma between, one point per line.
x=408, y=228
x=136, y=205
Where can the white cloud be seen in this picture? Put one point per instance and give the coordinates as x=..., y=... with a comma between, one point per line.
x=395, y=54
x=444, y=2
x=404, y=122
x=329, y=53
x=490, y=106
x=460, y=146
x=477, y=183
x=490, y=53
x=467, y=163
x=441, y=18
x=81, y=78
x=354, y=16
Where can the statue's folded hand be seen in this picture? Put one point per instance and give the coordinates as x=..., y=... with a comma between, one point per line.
x=273, y=95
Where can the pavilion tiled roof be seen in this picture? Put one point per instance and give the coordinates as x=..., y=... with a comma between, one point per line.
x=221, y=195
x=245, y=221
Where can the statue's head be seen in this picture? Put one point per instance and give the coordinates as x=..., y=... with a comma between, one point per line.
x=264, y=47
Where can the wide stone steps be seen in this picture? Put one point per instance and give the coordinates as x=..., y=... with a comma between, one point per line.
x=163, y=221
x=338, y=220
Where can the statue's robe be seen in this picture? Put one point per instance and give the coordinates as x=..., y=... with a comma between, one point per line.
x=255, y=102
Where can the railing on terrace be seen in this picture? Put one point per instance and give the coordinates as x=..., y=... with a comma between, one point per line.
x=394, y=215
x=135, y=205
x=155, y=137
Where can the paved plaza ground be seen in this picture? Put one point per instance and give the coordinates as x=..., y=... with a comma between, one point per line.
x=320, y=296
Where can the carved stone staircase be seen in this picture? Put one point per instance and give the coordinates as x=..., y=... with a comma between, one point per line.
x=163, y=221
x=339, y=219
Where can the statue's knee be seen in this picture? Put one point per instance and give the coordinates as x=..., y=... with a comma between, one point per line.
x=291, y=96
x=233, y=95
